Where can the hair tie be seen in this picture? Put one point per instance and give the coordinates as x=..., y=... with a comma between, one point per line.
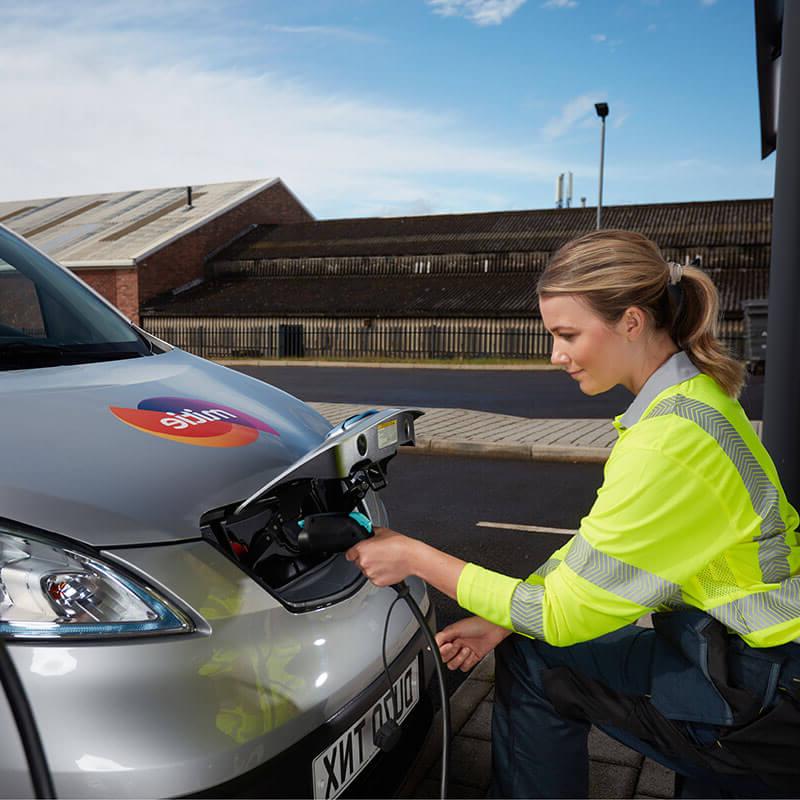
x=675, y=272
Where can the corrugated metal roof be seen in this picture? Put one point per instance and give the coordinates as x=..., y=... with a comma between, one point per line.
x=120, y=228
x=481, y=295
x=352, y=296
x=723, y=223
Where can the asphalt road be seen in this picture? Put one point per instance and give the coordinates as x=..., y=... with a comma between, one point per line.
x=440, y=499
x=529, y=393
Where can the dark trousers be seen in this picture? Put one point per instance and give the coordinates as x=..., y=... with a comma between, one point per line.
x=538, y=753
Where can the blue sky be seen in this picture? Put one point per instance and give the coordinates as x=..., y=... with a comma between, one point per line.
x=384, y=107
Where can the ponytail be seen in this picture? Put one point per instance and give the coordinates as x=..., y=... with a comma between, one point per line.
x=694, y=330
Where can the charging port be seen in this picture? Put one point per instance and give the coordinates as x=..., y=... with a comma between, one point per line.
x=337, y=475
x=263, y=539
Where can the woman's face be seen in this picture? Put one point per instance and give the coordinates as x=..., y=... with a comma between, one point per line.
x=592, y=352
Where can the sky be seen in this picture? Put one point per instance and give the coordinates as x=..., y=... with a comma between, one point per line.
x=384, y=107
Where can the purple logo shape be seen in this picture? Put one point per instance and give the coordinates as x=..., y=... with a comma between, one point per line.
x=179, y=405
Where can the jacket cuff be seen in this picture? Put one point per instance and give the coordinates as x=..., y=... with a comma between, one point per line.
x=487, y=594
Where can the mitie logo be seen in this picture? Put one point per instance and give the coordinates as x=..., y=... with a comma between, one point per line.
x=192, y=421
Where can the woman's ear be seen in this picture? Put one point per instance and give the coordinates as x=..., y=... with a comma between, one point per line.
x=634, y=321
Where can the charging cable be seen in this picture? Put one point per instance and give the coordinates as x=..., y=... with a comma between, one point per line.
x=26, y=725
x=404, y=593
x=335, y=532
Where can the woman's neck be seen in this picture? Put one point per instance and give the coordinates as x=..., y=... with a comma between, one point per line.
x=656, y=356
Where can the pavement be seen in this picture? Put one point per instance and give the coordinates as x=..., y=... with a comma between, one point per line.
x=459, y=431
x=615, y=770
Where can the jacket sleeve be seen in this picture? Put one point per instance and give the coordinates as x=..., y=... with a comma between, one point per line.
x=654, y=524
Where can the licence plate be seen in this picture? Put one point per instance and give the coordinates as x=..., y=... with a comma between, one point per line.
x=335, y=768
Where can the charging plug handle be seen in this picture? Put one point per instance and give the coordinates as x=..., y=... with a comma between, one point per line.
x=333, y=532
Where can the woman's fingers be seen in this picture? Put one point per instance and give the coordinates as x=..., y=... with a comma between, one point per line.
x=460, y=656
x=448, y=651
x=470, y=662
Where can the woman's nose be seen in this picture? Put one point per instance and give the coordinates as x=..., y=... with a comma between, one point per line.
x=557, y=357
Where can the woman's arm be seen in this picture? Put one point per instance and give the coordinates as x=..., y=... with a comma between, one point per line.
x=390, y=557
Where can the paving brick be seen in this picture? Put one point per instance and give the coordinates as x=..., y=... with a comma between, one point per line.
x=603, y=748
x=465, y=700
x=479, y=725
x=484, y=671
x=611, y=780
x=429, y=788
x=656, y=780
x=470, y=762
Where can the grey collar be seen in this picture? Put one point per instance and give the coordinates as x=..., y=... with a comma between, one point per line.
x=676, y=369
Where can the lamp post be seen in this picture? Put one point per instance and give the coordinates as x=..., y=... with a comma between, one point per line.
x=602, y=112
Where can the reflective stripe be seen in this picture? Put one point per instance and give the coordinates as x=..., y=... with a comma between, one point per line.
x=545, y=569
x=526, y=610
x=773, y=551
x=616, y=576
x=761, y=610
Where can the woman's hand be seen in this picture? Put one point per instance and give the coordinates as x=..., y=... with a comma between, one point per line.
x=389, y=557
x=464, y=643
x=386, y=558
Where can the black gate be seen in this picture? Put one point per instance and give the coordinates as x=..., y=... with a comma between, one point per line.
x=291, y=342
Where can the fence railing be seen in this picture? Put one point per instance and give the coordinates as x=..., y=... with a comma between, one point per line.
x=310, y=337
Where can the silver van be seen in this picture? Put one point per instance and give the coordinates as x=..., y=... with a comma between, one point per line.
x=169, y=642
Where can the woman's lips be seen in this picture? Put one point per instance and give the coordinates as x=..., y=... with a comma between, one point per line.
x=575, y=374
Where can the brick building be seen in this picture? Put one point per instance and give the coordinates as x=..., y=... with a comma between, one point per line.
x=133, y=246
x=449, y=285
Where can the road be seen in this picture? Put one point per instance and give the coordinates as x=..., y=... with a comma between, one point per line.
x=525, y=393
x=440, y=499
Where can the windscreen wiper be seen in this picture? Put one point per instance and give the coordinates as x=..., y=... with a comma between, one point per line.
x=23, y=348
x=22, y=353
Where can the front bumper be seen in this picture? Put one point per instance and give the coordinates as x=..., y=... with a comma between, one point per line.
x=176, y=715
x=290, y=774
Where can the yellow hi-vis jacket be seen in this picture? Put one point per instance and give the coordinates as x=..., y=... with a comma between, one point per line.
x=690, y=513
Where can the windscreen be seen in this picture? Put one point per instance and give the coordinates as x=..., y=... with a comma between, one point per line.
x=47, y=317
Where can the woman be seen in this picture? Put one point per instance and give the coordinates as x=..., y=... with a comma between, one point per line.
x=691, y=521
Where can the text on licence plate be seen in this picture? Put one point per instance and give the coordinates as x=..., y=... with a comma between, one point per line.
x=336, y=767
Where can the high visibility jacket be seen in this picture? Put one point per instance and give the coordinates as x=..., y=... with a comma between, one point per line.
x=690, y=513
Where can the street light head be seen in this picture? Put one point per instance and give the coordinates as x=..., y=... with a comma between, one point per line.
x=601, y=109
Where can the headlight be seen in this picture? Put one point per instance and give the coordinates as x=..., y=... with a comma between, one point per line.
x=52, y=592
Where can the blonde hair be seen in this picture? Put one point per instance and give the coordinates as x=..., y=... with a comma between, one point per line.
x=613, y=270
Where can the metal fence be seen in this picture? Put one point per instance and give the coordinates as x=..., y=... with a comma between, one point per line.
x=312, y=337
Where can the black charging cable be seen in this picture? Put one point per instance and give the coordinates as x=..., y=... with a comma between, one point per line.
x=26, y=725
x=404, y=593
x=336, y=532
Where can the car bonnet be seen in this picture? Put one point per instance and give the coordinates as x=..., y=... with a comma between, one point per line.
x=135, y=451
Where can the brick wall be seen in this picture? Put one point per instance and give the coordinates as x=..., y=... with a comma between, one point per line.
x=19, y=305
x=183, y=260
x=119, y=286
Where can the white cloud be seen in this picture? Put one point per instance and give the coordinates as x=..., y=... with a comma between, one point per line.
x=560, y=4
x=707, y=2
x=331, y=31
x=599, y=37
x=573, y=114
x=92, y=110
x=481, y=12
x=619, y=118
